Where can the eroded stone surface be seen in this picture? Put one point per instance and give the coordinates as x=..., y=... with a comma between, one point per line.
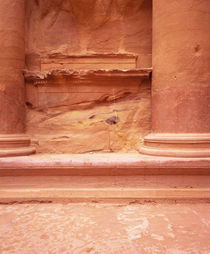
x=72, y=26
x=104, y=228
x=71, y=115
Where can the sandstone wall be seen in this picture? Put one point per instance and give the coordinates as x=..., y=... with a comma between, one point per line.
x=88, y=114
x=81, y=26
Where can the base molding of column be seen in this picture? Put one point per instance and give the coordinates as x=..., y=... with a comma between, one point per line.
x=177, y=145
x=15, y=145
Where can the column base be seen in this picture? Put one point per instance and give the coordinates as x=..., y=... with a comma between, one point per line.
x=15, y=145
x=177, y=145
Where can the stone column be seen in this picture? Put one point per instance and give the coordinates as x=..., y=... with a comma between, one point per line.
x=12, y=91
x=181, y=79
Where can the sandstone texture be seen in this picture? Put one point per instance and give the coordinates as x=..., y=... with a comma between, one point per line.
x=75, y=79
x=89, y=26
x=104, y=228
x=88, y=57
x=13, y=140
x=104, y=115
x=12, y=108
x=180, y=81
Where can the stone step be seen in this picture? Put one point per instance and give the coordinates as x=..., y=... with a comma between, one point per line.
x=104, y=188
x=95, y=177
x=106, y=164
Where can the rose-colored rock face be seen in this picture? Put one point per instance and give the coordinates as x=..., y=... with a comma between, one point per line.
x=104, y=228
x=80, y=115
x=81, y=26
x=102, y=115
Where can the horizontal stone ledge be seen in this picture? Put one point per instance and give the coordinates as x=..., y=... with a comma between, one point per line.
x=107, y=164
x=87, y=194
x=84, y=188
x=40, y=78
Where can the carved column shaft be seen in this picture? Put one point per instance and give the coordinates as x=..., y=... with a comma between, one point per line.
x=181, y=79
x=12, y=90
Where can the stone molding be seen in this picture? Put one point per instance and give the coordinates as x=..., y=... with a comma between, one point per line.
x=177, y=145
x=15, y=145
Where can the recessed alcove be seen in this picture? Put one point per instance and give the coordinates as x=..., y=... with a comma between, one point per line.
x=87, y=86
x=85, y=66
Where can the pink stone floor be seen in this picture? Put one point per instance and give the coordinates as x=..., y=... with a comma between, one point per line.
x=95, y=228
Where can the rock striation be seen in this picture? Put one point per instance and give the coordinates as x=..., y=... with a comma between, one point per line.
x=88, y=62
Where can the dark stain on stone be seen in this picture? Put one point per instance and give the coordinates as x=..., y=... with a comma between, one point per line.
x=113, y=120
x=197, y=48
x=29, y=105
x=92, y=116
